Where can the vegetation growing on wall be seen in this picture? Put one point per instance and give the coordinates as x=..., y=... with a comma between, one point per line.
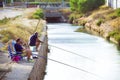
x=115, y=34
x=114, y=14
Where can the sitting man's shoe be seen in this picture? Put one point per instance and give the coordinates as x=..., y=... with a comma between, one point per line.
x=30, y=60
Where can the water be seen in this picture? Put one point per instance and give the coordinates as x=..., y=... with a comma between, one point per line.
x=101, y=61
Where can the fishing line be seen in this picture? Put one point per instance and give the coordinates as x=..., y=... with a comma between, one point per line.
x=69, y=66
x=72, y=52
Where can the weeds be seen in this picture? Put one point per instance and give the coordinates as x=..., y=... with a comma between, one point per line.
x=115, y=14
x=115, y=34
x=4, y=21
x=99, y=22
x=38, y=14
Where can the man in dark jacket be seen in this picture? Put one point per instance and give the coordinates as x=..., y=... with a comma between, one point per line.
x=34, y=40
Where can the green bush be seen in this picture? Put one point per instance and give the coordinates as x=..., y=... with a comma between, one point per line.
x=34, y=3
x=117, y=37
x=115, y=34
x=74, y=16
x=118, y=12
x=99, y=22
x=115, y=14
x=38, y=14
x=83, y=6
x=4, y=21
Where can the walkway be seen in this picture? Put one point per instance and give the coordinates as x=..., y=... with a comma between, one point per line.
x=4, y=64
x=14, y=71
x=20, y=71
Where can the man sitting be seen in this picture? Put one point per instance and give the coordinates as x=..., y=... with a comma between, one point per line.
x=34, y=41
x=20, y=50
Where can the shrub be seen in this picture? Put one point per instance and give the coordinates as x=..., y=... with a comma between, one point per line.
x=84, y=6
x=38, y=14
x=4, y=21
x=115, y=14
x=34, y=3
x=115, y=34
x=117, y=37
x=118, y=12
x=99, y=22
x=75, y=16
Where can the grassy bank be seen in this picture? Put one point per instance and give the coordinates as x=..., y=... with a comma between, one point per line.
x=104, y=21
x=21, y=26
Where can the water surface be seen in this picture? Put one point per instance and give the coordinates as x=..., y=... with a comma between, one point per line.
x=101, y=61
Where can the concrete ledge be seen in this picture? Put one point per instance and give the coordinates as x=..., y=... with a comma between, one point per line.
x=39, y=68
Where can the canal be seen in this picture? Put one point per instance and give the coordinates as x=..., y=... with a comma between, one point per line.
x=80, y=56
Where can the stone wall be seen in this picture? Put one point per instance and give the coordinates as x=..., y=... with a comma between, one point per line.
x=39, y=67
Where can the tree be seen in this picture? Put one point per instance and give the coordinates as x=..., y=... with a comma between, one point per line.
x=74, y=5
x=83, y=6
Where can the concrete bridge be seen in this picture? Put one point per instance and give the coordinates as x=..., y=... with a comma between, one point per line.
x=52, y=13
x=51, y=9
x=49, y=5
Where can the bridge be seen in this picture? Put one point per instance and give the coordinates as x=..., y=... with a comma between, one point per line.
x=49, y=5
x=51, y=8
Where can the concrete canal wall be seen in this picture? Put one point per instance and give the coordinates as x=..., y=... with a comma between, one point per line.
x=39, y=67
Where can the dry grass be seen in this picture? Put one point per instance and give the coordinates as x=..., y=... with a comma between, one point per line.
x=115, y=23
x=102, y=13
x=20, y=27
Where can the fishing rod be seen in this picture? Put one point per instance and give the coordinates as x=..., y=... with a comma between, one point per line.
x=40, y=19
x=37, y=26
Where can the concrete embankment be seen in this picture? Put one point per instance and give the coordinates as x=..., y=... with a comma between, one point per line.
x=38, y=70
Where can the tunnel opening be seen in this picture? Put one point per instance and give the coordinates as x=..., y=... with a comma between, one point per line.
x=53, y=19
